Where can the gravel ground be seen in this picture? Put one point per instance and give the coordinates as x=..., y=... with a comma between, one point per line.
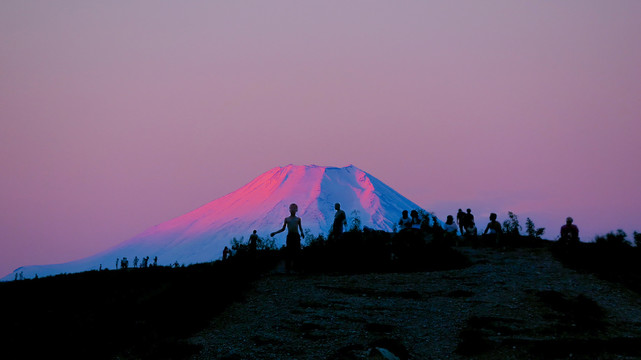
x=500, y=301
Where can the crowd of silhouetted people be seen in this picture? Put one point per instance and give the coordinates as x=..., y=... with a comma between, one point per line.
x=463, y=228
x=144, y=262
x=454, y=231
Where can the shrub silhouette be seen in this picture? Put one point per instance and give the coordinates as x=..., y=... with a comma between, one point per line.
x=379, y=251
x=616, y=239
x=511, y=226
x=532, y=231
x=611, y=256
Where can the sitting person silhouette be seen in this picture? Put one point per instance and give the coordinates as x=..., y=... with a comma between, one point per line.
x=450, y=226
x=471, y=233
x=451, y=229
x=405, y=222
x=416, y=221
x=569, y=232
x=493, y=230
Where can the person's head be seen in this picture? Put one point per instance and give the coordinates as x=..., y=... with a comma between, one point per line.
x=469, y=211
x=492, y=217
x=337, y=206
x=450, y=219
x=293, y=208
x=569, y=220
x=414, y=213
x=254, y=231
x=404, y=213
x=460, y=210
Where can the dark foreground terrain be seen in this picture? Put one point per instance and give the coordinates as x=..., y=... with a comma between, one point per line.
x=373, y=294
x=515, y=304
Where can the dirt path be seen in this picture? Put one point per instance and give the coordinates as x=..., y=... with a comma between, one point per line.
x=515, y=304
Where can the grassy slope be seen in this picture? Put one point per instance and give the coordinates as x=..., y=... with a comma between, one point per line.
x=135, y=313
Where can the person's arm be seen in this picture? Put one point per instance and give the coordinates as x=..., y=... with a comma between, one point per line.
x=486, y=229
x=281, y=230
x=300, y=226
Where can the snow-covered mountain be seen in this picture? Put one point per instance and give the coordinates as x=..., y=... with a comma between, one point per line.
x=262, y=204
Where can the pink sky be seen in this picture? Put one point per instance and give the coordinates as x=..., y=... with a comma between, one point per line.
x=117, y=116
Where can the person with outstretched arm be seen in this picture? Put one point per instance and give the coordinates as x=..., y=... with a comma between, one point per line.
x=293, y=224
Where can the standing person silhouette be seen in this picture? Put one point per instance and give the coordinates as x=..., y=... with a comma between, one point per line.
x=460, y=220
x=469, y=217
x=340, y=220
x=253, y=243
x=293, y=224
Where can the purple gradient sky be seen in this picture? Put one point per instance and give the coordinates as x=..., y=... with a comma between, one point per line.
x=116, y=116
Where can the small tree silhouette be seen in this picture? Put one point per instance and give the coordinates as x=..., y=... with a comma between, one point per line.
x=266, y=243
x=511, y=225
x=531, y=229
x=237, y=244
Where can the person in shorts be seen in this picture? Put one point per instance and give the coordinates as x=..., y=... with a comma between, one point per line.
x=293, y=225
